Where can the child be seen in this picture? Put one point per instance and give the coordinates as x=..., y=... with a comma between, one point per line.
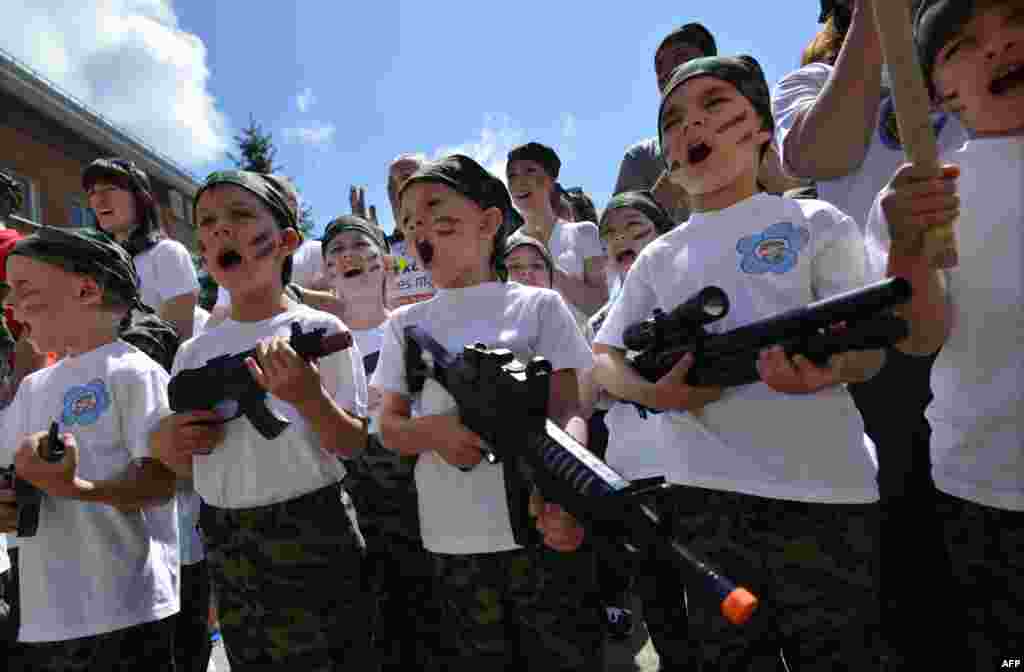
x=122, y=198
x=282, y=546
x=529, y=263
x=579, y=260
x=508, y=607
x=380, y=481
x=99, y=581
x=618, y=432
x=971, y=315
x=777, y=486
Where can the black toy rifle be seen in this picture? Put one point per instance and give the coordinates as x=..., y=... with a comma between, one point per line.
x=30, y=498
x=225, y=383
x=856, y=320
x=505, y=402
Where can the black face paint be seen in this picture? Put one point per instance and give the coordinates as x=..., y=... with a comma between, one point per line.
x=732, y=123
x=426, y=251
x=265, y=246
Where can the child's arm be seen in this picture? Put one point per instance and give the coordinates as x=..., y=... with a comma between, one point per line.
x=670, y=392
x=279, y=370
x=588, y=293
x=799, y=375
x=146, y=482
x=179, y=436
x=911, y=206
x=444, y=434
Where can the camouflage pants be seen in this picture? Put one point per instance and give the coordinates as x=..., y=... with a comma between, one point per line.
x=986, y=547
x=288, y=579
x=811, y=565
x=531, y=609
x=148, y=647
x=398, y=570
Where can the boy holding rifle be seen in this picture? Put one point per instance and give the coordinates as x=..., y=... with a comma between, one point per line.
x=779, y=487
x=972, y=54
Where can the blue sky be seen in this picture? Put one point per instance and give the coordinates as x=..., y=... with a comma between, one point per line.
x=345, y=87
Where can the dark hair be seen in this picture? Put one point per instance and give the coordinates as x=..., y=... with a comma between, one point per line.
x=152, y=335
x=124, y=174
x=582, y=205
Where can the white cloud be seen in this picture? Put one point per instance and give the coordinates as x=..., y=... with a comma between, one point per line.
x=568, y=125
x=314, y=133
x=130, y=61
x=305, y=99
x=491, y=146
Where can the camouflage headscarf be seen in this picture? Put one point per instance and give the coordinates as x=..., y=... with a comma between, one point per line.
x=267, y=188
x=469, y=178
x=743, y=72
x=88, y=251
x=641, y=201
x=345, y=223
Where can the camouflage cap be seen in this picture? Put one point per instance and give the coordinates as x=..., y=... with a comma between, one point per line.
x=345, y=223
x=641, y=201
x=84, y=250
x=267, y=188
x=743, y=72
x=289, y=190
x=542, y=154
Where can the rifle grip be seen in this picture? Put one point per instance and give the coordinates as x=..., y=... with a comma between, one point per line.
x=266, y=422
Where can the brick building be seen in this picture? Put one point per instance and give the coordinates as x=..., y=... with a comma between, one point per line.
x=47, y=138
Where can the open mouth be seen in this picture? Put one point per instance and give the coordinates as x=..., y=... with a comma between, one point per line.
x=698, y=153
x=229, y=259
x=523, y=195
x=625, y=257
x=425, y=250
x=1009, y=77
x=353, y=273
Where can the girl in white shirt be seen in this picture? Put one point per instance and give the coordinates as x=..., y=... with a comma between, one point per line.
x=579, y=260
x=122, y=198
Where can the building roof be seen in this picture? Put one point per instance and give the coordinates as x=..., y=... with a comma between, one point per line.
x=32, y=88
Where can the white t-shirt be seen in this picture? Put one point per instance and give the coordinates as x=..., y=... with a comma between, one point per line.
x=308, y=264
x=5, y=560
x=571, y=243
x=369, y=342
x=410, y=284
x=977, y=414
x=200, y=316
x=467, y=512
x=247, y=470
x=92, y=569
x=165, y=272
x=853, y=193
x=769, y=254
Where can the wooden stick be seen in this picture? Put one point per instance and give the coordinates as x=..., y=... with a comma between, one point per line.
x=913, y=109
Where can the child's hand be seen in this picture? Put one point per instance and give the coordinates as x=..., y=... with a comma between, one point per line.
x=672, y=393
x=8, y=512
x=57, y=479
x=798, y=375
x=561, y=531
x=913, y=205
x=180, y=436
x=283, y=373
x=454, y=442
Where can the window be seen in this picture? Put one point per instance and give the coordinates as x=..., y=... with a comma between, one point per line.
x=29, y=196
x=80, y=213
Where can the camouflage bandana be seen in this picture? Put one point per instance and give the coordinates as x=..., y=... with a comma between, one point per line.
x=345, y=223
x=269, y=190
x=743, y=72
x=641, y=201
x=87, y=251
x=470, y=179
x=542, y=154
